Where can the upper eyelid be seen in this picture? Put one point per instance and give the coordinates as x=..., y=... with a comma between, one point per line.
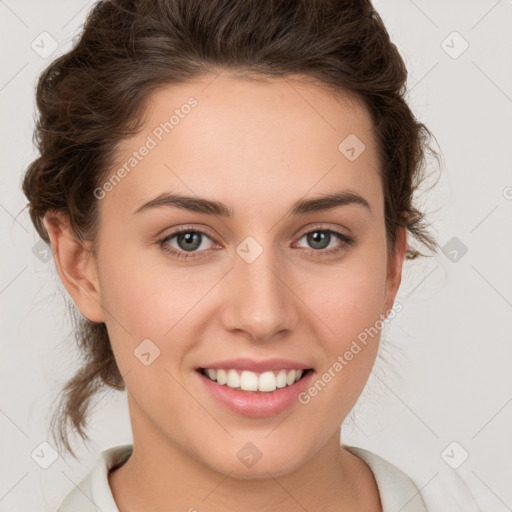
x=186, y=230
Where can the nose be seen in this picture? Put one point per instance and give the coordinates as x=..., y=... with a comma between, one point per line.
x=259, y=300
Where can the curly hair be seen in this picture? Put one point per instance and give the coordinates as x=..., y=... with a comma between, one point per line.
x=94, y=96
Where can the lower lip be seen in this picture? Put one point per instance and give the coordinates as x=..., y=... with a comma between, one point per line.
x=257, y=403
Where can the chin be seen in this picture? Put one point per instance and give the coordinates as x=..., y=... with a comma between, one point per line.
x=242, y=467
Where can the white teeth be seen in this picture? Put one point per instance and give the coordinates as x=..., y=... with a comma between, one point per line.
x=221, y=377
x=233, y=379
x=290, y=378
x=266, y=381
x=250, y=381
x=281, y=379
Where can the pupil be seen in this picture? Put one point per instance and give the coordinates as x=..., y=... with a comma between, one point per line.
x=317, y=239
x=190, y=238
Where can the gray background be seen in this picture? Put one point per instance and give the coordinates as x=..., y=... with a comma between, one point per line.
x=447, y=376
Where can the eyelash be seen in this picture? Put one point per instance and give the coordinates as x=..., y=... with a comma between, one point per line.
x=346, y=242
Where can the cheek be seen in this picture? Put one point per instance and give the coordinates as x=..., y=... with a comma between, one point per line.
x=350, y=304
x=153, y=302
x=351, y=297
x=353, y=306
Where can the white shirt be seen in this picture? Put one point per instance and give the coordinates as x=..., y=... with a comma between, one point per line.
x=397, y=491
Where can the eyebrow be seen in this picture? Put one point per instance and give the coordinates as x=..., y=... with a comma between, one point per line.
x=210, y=207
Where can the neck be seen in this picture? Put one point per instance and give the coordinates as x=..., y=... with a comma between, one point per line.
x=160, y=474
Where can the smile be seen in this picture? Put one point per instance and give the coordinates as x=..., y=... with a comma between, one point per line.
x=251, y=381
x=271, y=400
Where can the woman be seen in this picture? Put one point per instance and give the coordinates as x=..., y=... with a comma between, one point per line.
x=274, y=139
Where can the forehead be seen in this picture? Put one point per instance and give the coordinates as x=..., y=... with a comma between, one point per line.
x=248, y=140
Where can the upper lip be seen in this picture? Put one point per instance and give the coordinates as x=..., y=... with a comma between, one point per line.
x=257, y=365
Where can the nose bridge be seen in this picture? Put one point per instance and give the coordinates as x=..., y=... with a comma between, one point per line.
x=260, y=302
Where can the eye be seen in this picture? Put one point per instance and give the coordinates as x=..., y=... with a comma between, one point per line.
x=321, y=241
x=188, y=242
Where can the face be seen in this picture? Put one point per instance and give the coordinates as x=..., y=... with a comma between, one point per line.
x=261, y=280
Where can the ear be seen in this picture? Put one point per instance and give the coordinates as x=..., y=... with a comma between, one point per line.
x=394, y=271
x=76, y=265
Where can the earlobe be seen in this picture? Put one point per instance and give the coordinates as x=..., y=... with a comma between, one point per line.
x=394, y=271
x=76, y=266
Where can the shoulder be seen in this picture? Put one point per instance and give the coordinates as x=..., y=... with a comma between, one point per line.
x=93, y=493
x=445, y=491
x=397, y=491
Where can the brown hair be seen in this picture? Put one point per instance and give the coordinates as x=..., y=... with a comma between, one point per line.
x=92, y=97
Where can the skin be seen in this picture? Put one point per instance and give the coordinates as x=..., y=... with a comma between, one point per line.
x=258, y=147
